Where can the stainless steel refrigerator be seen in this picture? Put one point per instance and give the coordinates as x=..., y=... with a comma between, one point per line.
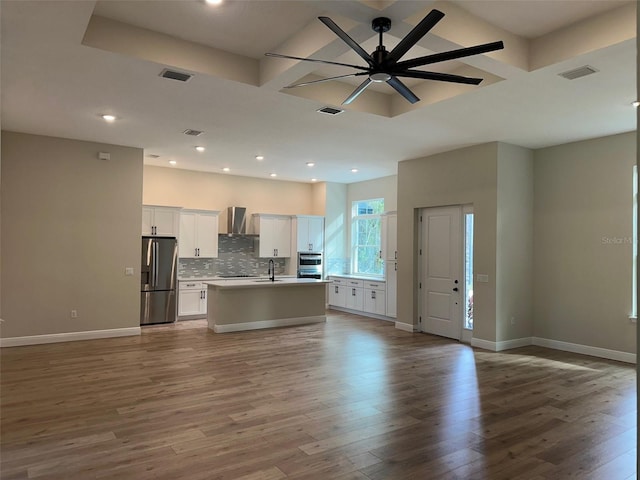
x=158, y=280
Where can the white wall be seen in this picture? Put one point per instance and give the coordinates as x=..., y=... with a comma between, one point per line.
x=212, y=191
x=514, y=248
x=582, y=242
x=385, y=187
x=70, y=226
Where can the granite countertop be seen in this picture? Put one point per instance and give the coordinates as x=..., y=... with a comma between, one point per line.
x=213, y=278
x=281, y=281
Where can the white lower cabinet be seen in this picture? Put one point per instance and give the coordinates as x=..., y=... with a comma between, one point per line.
x=366, y=297
x=192, y=299
x=338, y=293
x=375, y=298
x=355, y=295
x=391, y=272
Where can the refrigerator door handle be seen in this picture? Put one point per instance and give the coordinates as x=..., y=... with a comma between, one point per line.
x=154, y=274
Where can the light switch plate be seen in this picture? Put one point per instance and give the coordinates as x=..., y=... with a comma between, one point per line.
x=128, y=271
x=482, y=278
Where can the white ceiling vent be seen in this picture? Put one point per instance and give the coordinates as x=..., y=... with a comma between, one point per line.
x=175, y=75
x=578, y=72
x=193, y=133
x=329, y=110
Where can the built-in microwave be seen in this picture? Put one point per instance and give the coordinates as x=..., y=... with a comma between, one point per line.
x=309, y=265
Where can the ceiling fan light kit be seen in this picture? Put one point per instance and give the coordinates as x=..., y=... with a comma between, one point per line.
x=385, y=66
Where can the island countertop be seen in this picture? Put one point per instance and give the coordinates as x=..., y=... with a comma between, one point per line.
x=264, y=282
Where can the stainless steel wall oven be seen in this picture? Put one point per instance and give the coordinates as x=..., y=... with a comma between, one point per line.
x=309, y=265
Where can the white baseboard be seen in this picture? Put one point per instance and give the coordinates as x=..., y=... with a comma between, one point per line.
x=405, y=327
x=499, y=346
x=68, y=337
x=362, y=313
x=281, y=322
x=586, y=350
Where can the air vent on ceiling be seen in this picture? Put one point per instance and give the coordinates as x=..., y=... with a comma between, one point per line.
x=193, y=133
x=578, y=72
x=329, y=110
x=173, y=75
x=153, y=155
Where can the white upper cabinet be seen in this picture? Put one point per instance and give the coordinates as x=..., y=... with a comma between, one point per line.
x=390, y=236
x=162, y=221
x=275, y=234
x=198, y=234
x=308, y=233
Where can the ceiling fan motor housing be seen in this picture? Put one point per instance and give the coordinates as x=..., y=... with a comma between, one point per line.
x=381, y=24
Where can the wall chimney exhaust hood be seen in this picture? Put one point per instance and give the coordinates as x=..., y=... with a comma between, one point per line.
x=237, y=222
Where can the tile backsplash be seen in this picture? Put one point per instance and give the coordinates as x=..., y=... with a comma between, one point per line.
x=236, y=256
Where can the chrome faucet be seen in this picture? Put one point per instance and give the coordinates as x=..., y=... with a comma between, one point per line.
x=272, y=270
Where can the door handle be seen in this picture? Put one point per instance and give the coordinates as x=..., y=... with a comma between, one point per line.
x=455, y=289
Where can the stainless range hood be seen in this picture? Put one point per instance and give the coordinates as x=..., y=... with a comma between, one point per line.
x=237, y=222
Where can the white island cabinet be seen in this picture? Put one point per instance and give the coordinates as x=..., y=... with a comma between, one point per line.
x=275, y=234
x=192, y=299
x=198, y=234
x=161, y=221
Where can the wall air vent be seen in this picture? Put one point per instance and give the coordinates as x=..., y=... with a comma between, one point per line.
x=329, y=110
x=193, y=133
x=173, y=75
x=578, y=72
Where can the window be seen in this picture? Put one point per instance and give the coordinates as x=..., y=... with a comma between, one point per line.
x=366, y=233
x=468, y=269
x=634, y=241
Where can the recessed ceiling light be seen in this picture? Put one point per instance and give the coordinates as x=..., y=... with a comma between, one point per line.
x=310, y=164
x=636, y=103
x=108, y=118
x=226, y=169
x=259, y=157
x=354, y=170
x=213, y=2
x=200, y=149
x=314, y=179
x=172, y=162
x=273, y=174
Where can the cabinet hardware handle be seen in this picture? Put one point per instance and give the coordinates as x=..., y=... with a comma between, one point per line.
x=373, y=294
x=353, y=292
x=336, y=289
x=395, y=267
x=380, y=253
x=396, y=255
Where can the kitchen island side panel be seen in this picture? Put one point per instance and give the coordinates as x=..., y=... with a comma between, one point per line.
x=230, y=306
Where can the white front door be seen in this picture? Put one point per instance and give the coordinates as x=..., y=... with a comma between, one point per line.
x=441, y=272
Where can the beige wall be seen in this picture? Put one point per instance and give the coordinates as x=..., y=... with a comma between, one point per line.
x=70, y=226
x=514, y=248
x=336, y=225
x=459, y=177
x=212, y=191
x=385, y=187
x=582, y=242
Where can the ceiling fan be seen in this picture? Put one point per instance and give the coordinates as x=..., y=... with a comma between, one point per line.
x=385, y=66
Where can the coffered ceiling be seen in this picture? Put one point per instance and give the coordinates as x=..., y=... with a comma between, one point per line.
x=65, y=63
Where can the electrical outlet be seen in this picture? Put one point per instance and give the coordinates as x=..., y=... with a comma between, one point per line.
x=128, y=271
x=74, y=313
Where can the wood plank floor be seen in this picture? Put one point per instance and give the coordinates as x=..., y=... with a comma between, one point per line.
x=352, y=399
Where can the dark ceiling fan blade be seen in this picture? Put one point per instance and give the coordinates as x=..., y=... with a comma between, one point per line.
x=327, y=79
x=414, y=36
x=347, y=39
x=402, y=89
x=443, y=77
x=357, y=91
x=278, y=55
x=451, y=55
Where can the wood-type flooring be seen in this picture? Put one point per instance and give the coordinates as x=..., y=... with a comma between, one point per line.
x=352, y=399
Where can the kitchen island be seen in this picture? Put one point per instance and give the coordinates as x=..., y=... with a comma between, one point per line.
x=250, y=304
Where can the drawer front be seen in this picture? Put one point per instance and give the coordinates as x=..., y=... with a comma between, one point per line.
x=338, y=281
x=190, y=285
x=375, y=285
x=355, y=283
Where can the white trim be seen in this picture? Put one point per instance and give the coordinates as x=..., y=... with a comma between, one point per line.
x=586, y=350
x=280, y=322
x=406, y=327
x=500, y=346
x=362, y=313
x=69, y=337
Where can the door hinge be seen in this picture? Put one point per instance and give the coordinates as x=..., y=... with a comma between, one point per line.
x=420, y=285
x=420, y=251
x=419, y=319
x=420, y=217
